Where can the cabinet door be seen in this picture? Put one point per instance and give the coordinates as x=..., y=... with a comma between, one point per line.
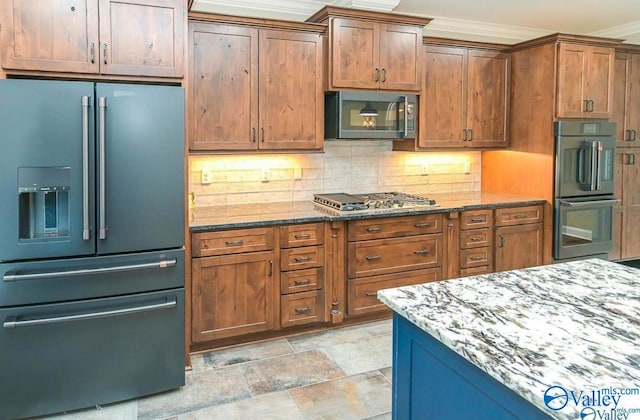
x=400, y=57
x=53, y=35
x=291, y=95
x=487, y=99
x=223, y=87
x=572, y=64
x=617, y=234
x=233, y=295
x=354, y=54
x=142, y=38
x=631, y=205
x=622, y=67
x=518, y=246
x=633, y=104
x=443, y=97
x=599, y=87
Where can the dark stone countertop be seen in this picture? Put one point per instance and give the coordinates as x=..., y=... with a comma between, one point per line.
x=203, y=219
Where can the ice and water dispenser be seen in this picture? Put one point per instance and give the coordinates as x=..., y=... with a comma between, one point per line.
x=43, y=200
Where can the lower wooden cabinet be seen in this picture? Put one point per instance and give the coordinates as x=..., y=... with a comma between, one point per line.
x=301, y=308
x=518, y=237
x=626, y=216
x=233, y=295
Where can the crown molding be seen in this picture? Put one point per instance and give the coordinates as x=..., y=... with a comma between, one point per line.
x=472, y=28
x=620, y=31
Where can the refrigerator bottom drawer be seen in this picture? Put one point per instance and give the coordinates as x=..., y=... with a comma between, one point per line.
x=72, y=355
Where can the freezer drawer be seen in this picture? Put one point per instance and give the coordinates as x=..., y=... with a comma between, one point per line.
x=91, y=277
x=67, y=356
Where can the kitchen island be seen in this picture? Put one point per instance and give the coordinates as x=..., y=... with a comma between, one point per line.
x=555, y=341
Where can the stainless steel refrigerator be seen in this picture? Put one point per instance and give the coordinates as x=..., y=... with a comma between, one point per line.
x=91, y=243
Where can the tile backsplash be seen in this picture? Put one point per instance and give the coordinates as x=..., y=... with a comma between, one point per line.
x=345, y=166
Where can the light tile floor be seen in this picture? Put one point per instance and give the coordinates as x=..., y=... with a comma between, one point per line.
x=343, y=374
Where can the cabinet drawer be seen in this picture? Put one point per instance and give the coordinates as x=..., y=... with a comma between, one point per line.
x=476, y=271
x=301, y=280
x=518, y=215
x=392, y=227
x=385, y=256
x=299, y=258
x=475, y=257
x=362, y=293
x=476, y=238
x=302, y=308
x=301, y=235
x=474, y=219
x=231, y=242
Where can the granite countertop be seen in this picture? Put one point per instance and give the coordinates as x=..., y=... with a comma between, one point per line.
x=575, y=325
x=266, y=214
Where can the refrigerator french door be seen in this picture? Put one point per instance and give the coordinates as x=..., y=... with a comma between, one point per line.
x=91, y=243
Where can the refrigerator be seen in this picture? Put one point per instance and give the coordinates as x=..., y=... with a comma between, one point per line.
x=91, y=243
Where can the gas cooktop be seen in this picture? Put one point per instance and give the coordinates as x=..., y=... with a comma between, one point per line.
x=341, y=203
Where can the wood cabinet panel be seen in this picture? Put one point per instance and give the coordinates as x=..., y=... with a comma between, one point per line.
x=391, y=227
x=231, y=242
x=518, y=246
x=292, y=236
x=301, y=308
x=301, y=258
x=355, y=54
x=476, y=271
x=400, y=57
x=475, y=257
x=626, y=99
x=362, y=292
x=232, y=295
x=476, y=238
x=301, y=280
x=626, y=232
x=383, y=256
x=518, y=215
x=291, y=98
x=474, y=219
x=142, y=38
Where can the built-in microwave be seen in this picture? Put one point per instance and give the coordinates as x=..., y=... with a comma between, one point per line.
x=370, y=115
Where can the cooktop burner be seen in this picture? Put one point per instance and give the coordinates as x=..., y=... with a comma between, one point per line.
x=339, y=203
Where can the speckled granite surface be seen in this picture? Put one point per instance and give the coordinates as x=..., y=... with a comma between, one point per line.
x=265, y=214
x=574, y=325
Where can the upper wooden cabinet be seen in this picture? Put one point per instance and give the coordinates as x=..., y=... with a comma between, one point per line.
x=465, y=98
x=585, y=81
x=141, y=38
x=626, y=98
x=371, y=50
x=252, y=88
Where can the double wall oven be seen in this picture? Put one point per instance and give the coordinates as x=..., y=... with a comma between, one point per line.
x=584, y=200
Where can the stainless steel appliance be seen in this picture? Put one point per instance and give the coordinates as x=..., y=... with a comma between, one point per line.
x=91, y=244
x=585, y=158
x=341, y=203
x=370, y=115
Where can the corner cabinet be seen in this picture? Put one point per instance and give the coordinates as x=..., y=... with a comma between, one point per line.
x=252, y=88
x=372, y=50
x=585, y=81
x=141, y=38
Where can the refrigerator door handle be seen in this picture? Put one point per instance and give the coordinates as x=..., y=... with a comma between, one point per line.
x=12, y=322
x=102, y=222
x=86, y=233
x=12, y=276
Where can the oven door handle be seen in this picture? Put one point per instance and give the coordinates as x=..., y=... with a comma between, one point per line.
x=598, y=165
x=86, y=271
x=593, y=179
x=612, y=201
x=12, y=321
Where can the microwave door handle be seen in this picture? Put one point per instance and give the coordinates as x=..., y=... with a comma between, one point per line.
x=406, y=116
x=102, y=223
x=86, y=233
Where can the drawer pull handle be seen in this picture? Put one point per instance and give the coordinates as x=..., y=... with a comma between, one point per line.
x=303, y=310
x=302, y=282
x=369, y=294
x=422, y=252
x=422, y=224
x=373, y=257
x=374, y=229
x=476, y=258
x=477, y=220
x=235, y=242
x=303, y=258
x=477, y=239
x=520, y=216
x=302, y=236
